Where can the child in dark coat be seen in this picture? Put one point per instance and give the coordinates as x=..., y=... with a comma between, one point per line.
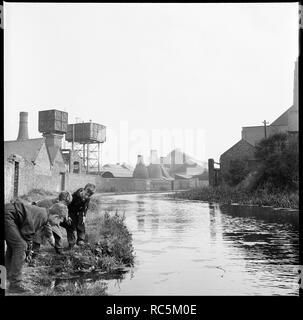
x=65, y=198
x=22, y=221
x=77, y=211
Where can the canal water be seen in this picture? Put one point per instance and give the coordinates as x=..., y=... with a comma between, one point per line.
x=195, y=248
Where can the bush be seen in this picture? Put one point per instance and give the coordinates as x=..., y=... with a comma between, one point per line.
x=116, y=239
x=237, y=172
x=278, y=156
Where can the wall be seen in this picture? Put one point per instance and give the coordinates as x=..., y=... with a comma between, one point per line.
x=58, y=164
x=121, y=184
x=29, y=180
x=253, y=135
x=8, y=181
x=241, y=150
x=182, y=184
x=161, y=185
x=42, y=161
x=76, y=181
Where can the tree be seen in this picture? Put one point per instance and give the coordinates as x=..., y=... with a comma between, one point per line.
x=278, y=156
x=237, y=171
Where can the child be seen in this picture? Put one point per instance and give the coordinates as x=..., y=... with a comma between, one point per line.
x=22, y=221
x=77, y=210
x=65, y=198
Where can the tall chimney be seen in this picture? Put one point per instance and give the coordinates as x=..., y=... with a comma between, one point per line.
x=23, y=126
x=154, y=169
x=154, y=157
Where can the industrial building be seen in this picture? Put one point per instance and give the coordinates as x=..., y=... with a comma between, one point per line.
x=287, y=122
x=42, y=163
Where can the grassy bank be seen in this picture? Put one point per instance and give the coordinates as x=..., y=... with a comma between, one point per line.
x=108, y=248
x=227, y=195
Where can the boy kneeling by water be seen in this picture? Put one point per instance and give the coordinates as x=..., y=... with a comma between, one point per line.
x=64, y=198
x=22, y=221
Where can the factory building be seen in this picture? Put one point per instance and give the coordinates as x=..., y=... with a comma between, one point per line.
x=244, y=149
x=42, y=163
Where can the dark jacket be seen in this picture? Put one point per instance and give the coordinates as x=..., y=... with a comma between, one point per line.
x=78, y=207
x=28, y=218
x=47, y=203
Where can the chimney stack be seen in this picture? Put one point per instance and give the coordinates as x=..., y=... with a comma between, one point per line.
x=154, y=169
x=140, y=171
x=154, y=157
x=23, y=126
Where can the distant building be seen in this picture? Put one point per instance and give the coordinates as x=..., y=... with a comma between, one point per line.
x=116, y=171
x=182, y=166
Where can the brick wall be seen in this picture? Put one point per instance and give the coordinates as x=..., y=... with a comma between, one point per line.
x=241, y=150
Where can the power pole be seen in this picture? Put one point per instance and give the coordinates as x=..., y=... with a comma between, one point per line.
x=265, y=133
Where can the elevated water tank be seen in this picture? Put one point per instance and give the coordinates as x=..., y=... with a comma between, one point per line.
x=53, y=121
x=86, y=132
x=140, y=171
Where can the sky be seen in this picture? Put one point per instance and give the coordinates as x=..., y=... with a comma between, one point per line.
x=158, y=76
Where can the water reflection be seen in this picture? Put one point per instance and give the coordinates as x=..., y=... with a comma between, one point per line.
x=193, y=248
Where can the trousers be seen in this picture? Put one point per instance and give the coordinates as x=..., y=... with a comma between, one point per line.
x=75, y=231
x=16, y=248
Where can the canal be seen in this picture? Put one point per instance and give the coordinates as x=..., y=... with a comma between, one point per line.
x=195, y=248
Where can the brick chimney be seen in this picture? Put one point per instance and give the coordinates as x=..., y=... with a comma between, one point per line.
x=23, y=126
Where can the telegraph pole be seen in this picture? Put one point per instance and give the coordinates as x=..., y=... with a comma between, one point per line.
x=265, y=133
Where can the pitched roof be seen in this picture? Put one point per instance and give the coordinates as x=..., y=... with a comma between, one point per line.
x=182, y=176
x=193, y=171
x=28, y=149
x=165, y=173
x=242, y=141
x=282, y=120
x=179, y=156
x=117, y=171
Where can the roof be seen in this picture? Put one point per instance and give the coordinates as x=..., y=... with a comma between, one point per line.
x=182, y=176
x=193, y=171
x=118, y=171
x=28, y=149
x=282, y=120
x=165, y=173
x=180, y=156
x=242, y=141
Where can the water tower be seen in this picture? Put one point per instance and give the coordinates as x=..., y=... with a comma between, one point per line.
x=86, y=139
x=53, y=125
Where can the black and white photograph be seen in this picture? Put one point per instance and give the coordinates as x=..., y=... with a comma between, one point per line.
x=151, y=149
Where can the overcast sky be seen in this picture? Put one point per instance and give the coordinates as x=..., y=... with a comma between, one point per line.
x=149, y=70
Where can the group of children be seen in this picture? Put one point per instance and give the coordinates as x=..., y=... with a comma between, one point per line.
x=27, y=225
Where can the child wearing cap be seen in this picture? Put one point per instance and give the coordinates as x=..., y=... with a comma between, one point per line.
x=64, y=198
x=77, y=211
